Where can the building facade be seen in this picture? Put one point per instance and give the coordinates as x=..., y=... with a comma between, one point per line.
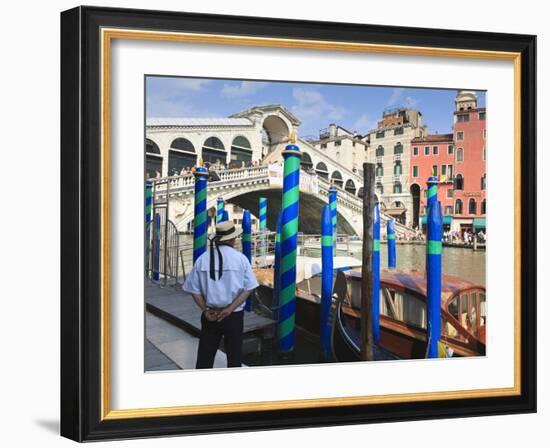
x=390, y=151
x=470, y=180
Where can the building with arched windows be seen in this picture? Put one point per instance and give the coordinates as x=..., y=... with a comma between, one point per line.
x=390, y=151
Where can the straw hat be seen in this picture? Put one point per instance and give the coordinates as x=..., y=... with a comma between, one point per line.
x=226, y=231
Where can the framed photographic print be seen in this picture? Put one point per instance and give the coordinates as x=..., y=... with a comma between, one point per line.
x=276, y=224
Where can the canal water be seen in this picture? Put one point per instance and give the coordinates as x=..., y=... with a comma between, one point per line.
x=461, y=262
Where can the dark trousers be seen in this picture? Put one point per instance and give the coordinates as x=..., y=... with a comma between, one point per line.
x=231, y=328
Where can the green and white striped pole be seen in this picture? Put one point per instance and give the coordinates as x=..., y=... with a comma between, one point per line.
x=332, y=201
x=200, y=222
x=219, y=210
x=289, y=245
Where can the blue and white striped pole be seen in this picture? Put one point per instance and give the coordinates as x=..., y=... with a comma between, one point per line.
x=156, y=248
x=200, y=223
x=277, y=268
x=332, y=201
x=376, y=276
x=433, y=275
x=247, y=247
x=326, y=281
x=219, y=210
x=289, y=245
x=390, y=234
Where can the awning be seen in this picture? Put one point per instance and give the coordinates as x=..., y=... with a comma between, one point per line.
x=447, y=219
x=479, y=223
x=395, y=211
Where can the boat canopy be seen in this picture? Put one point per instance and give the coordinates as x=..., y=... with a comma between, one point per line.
x=307, y=267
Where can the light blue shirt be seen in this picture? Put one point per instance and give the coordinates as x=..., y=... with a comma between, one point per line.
x=237, y=276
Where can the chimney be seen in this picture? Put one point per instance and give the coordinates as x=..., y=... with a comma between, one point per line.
x=332, y=130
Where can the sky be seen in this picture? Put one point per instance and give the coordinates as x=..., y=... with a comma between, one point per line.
x=356, y=108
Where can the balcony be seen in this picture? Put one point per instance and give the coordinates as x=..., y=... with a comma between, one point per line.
x=396, y=157
x=397, y=177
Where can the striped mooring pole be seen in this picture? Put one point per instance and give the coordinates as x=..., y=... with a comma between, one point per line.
x=148, y=217
x=376, y=276
x=432, y=190
x=390, y=234
x=225, y=216
x=156, y=248
x=219, y=210
x=433, y=276
x=289, y=245
x=332, y=201
x=262, y=215
x=200, y=222
x=326, y=281
x=247, y=247
x=277, y=268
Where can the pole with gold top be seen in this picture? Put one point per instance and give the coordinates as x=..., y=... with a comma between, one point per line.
x=289, y=245
x=200, y=223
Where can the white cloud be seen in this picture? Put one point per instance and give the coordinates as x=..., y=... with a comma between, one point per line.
x=410, y=102
x=312, y=105
x=363, y=124
x=395, y=96
x=242, y=90
x=193, y=84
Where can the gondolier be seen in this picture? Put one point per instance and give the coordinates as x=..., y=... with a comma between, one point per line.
x=220, y=282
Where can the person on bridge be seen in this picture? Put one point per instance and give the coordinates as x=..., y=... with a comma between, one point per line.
x=220, y=282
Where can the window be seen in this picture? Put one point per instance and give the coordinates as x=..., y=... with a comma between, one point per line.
x=450, y=193
x=482, y=115
x=151, y=147
x=462, y=118
x=241, y=150
x=434, y=170
x=415, y=171
x=338, y=143
x=484, y=182
x=458, y=207
x=426, y=150
x=443, y=170
x=213, y=151
x=453, y=308
x=449, y=171
x=459, y=182
x=450, y=149
x=182, y=144
x=448, y=209
x=350, y=186
x=380, y=134
x=397, y=187
x=337, y=178
x=435, y=150
x=484, y=154
x=398, y=149
x=415, y=151
x=397, y=168
x=181, y=155
x=398, y=131
x=460, y=135
x=484, y=133
x=305, y=162
x=321, y=170
x=323, y=146
x=380, y=151
x=472, y=206
x=379, y=169
x=353, y=144
x=460, y=155
x=379, y=188
x=484, y=207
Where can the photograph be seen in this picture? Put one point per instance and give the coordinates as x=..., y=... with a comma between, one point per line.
x=271, y=206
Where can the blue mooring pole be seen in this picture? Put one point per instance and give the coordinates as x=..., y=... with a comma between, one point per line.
x=225, y=216
x=148, y=217
x=219, y=210
x=376, y=276
x=433, y=276
x=247, y=247
x=200, y=224
x=332, y=201
x=277, y=268
x=156, y=248
x=289, y=247
x=390, y=234
x=326, y=281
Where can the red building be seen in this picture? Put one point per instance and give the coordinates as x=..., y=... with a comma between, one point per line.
x=470, y=135
x=458, y=160
x=432, y=155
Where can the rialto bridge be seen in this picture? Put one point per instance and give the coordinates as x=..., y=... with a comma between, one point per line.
x=243, y=187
